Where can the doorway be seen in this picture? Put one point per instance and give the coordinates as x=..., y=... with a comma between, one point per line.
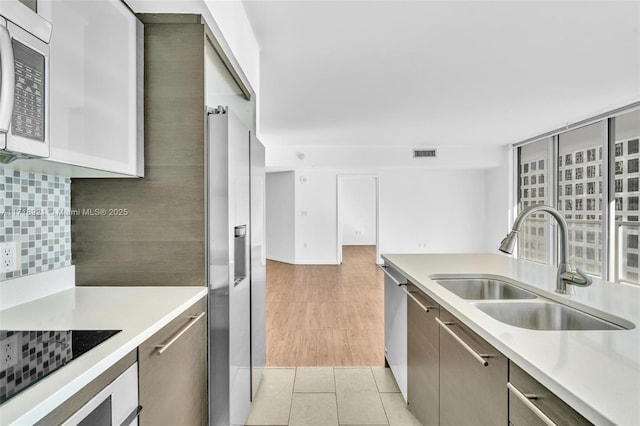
x=357, y=213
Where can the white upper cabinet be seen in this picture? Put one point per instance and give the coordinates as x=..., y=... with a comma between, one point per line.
x=96, y=85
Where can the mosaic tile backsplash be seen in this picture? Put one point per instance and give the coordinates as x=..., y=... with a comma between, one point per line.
x=39, y=353
x=34, y=211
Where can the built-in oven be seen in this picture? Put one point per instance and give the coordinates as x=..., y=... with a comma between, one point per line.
x=24, y=82
x=115, y=405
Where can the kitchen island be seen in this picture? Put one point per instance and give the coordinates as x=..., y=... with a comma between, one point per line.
x=139, y=312
x=596, y=372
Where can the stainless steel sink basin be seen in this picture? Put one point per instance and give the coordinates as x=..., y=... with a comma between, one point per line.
x=484, y=289
x=543, y=316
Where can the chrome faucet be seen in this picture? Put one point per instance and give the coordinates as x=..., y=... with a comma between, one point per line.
x=565, y=274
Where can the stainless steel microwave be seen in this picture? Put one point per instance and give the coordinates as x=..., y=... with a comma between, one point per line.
x=24, y=82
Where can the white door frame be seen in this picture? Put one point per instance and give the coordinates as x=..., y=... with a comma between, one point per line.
x=339, y=182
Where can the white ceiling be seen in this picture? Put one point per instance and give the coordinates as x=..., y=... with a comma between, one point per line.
x=439, y=74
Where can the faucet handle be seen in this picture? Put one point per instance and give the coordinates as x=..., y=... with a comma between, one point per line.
x=583, y=274
x=579, y=277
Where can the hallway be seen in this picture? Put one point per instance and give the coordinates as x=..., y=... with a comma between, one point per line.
x=326, y=315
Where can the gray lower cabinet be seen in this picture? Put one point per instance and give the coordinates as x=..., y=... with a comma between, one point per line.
x=532, y=404
x=423, y=358
x=456, y=378
x=173, y=371
x=472, y=377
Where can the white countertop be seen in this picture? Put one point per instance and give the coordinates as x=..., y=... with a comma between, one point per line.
x=138, y=311
x=595, y=372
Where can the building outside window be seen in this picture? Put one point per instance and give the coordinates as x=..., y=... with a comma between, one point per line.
x=627, y=136
x=533, y=191
x=585, y=139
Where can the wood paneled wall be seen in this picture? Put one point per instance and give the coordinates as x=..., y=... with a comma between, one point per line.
x=162, y=239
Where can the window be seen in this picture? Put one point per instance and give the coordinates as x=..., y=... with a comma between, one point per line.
x=570, y=144
x=580, y=182
x=627, y=130
x=568, y=160
x=533, y=180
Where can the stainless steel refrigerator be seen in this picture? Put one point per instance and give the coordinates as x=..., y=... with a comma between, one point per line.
x=236, y=259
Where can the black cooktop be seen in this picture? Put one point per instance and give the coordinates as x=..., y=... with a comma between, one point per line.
x=28, y=356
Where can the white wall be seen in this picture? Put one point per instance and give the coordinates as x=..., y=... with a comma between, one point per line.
x=316, y=225
x=367, y=159
x=499, y=182
x=432, y=211
x=421, y=211
x=280, y=216
x=357, y=210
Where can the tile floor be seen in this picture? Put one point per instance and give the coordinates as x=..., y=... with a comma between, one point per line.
x=328, y=396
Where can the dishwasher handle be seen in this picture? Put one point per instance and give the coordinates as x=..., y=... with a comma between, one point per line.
x=387, y=273
x=132, y=416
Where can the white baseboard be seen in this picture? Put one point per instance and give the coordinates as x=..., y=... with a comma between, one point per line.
x=304, y=261
x=317, y=262
x=282, y=259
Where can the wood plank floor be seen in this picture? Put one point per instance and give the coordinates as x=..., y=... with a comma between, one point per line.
x=326, y=315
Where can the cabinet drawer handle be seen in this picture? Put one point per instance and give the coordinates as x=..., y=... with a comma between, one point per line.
x=479, y=357
x=164, y=347
x=132, y=416
x=526, y=400
x=415, y=299
x=384, y=269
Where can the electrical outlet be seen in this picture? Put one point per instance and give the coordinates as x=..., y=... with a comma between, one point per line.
x=9, y=352
x=9, y=256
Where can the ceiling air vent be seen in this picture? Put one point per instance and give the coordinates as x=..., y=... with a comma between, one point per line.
x=424, y=153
